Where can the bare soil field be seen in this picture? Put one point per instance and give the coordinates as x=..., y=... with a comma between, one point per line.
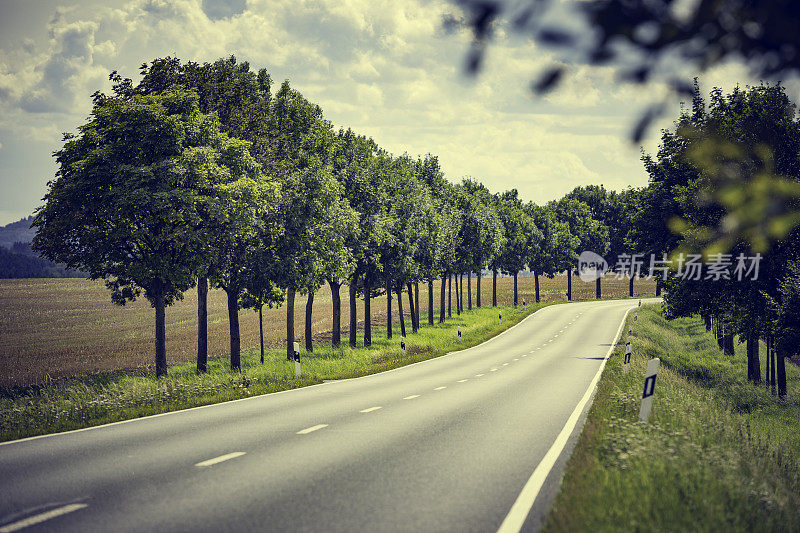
x=52, y=329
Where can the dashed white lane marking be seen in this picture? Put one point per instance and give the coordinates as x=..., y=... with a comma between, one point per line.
x=215, y=460
x=411, y=397
x=461, y=381
x=312, y=428
x=493, y=370
x=525, y=355
x=41, y=517
x=479, y=375
x=440, y=388
x=370, y=409
x=556, y=335
x=505, y=364
x=516, y=359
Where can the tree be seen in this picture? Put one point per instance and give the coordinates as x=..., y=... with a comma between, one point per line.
x=556, y=252
x=519, y=231
x=591, y=234
x=124, y=204
x=241, y=100
x=481, y=233
x=235, y=226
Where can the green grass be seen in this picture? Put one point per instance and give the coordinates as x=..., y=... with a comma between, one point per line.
x=104, y=398
x=719, y=454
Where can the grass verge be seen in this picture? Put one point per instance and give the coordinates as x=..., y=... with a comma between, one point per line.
x=100, y=399
x=719, y=454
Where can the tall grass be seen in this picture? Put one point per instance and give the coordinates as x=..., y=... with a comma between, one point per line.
x=78, y=403
x=719, y=454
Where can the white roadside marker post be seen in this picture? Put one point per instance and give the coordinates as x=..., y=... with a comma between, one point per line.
x=627, y=358
x=500, y=318
x=649, y=389
x=459, y=332
x=297, y=360
x=635, y=317
x=403, y=345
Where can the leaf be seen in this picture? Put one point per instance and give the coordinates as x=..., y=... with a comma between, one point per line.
x=556, y=37
x=548, y=80
x=652, y=113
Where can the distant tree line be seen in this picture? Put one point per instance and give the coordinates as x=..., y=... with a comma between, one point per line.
x=205, y=175
x=21, y=262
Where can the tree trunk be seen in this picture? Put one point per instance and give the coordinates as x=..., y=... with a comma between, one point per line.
x=515, y=288
x=630, y=285
x=459, y=287
x=773, y=354
x=494, y=287
x=728, y=342
x=469, y=290
x=388, y=309
x=753, y=362
x=430, y=302
x=161, y=333
x=411, y=307
x=337, y=313
x=441, y=297
x=720, y=334
x=399, y=293
x=202, y=324
x=536, y=285
x=367, y=313
x=290, y=324
x=478, y=275
x=233, y=321
x=781, y=364
x=658, y=287
x=597, y=289
x=309, y=311
x=449, y=295
x=261, y=331
x=767, y=358
x=707, y=321
x=416, y=302
x=353, y=313
x=569, y=284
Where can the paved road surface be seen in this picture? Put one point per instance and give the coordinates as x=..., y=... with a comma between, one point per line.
x=443, y=445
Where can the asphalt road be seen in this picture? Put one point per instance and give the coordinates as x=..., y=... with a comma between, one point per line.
x=449, y=444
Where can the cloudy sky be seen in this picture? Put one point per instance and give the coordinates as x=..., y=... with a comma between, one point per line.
x=387, y=69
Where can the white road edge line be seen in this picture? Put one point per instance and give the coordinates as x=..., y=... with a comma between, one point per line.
x=312, y=428
x=411, y=397
x=515, y=519
x=370, y=409
x=215, y=460
x=41, y=517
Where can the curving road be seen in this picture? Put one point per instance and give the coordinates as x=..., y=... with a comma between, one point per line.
x=449, y=444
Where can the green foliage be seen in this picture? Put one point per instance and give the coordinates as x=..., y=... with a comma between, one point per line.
x=519, y=231
x=126, y=201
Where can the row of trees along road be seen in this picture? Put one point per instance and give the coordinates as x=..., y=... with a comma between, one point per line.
x=716, y=186
x=199, y=175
